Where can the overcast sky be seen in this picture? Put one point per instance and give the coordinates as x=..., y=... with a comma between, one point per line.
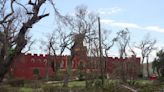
x=139, y=16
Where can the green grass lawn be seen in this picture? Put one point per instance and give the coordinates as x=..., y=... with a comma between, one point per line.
x=81, y=83
x=76, y=84
x=26, y=89
x=72, y=84
x=144, y=82
x=142, y=85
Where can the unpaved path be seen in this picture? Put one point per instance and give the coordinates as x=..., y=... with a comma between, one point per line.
x=133, y=90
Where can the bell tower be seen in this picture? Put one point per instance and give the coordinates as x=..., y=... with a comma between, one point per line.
x=78, y=48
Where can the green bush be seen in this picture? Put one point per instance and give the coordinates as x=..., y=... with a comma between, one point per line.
x=89, y=83
x=111, y=85
x=140, y=75
x=98, y=83
x=36, y=71
x=81, y=76
x=143, y=83
x=161, y=79
x=58, y=77
x=131, y=82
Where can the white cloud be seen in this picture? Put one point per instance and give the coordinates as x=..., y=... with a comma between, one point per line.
x=109, y=11
x=107, y=21
x=119, y=24
x=131, y=25
x=154, y=28
x=125, y=25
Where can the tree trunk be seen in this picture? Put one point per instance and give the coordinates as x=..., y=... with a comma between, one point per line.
x=4, y=66
x=142, y=68
x=158, y=72
x=147, y=66
x=68, y=71
x=2, y=72
x=66, y=80
x=20, y=40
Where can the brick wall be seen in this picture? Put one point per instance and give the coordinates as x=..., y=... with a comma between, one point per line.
x=25, y=65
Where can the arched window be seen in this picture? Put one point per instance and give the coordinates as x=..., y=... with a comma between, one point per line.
x=45, y=60
x=32, y=60
x=62, y=64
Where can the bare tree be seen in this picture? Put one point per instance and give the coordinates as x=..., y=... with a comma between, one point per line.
x=123, y=41
x=108, y=46
x=55, y=44
x=14, y=26
x=82, y=25
x=146, y=46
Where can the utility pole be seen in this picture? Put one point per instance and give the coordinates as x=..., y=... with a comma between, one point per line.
x=100, y=49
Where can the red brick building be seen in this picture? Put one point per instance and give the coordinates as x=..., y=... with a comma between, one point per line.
x=34, y=66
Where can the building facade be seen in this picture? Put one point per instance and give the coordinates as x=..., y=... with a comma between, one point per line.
x=29, y=67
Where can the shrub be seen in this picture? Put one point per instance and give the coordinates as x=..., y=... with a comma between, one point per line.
x=58, y=77
x=98, y=83
x=131, y=82
x=81, y=76
x=89, y=83
x=140, y=75
x=36, y=71
x=143, y=83
x=111, y=85
x=161, y=79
